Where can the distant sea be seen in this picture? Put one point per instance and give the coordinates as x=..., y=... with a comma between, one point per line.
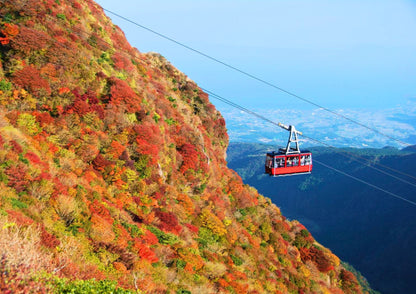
x=399, y=123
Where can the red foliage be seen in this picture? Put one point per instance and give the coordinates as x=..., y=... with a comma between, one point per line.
x=100, y=163
x=192, y=228
x=120, y=41
x=18, y=279
x=30, y=79
x=305, y=255
x=349, y=281
x=99, y=209
x=148, y=140
x=122, y=61
x=18, y=179
x=29, y=39
x=44, y=118
x=322, y=262
x=33, y=158
x=9, y=32
x=189, y=156
x=16, y=146
x=168, y=221
x=146, y=253
x=149, y=238
x=144, y=148
x=59, y=189
x=122, y=94
x=76, y=5
x=91, y=272
x=48, y=239
x=19, y=218
x=79, y=106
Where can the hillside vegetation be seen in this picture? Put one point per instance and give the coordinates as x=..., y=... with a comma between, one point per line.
x=370, y=229
x=113, y=175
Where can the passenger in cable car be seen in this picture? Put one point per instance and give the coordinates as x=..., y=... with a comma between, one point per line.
x=296, y=161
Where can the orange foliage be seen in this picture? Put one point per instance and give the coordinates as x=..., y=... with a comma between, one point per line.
x=122, y=94
x=9, y=32
x=96, y=208
x=146, y=253
x=101, y=229
x=116, y=149
x=149, y=238
x=30, y=79
x=187, y=203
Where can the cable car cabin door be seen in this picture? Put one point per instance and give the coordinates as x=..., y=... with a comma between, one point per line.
x=287, y=165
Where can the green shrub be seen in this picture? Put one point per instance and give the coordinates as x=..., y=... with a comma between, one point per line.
x=170, y=121
x=64, y=286
x=180, y=263
x=16, y=203
x=164, y=238
x=61, y=16
x=237, y=260
x=5, y=86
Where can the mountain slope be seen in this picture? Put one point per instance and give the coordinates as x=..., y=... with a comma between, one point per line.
x=113, y=168
x=365, y=227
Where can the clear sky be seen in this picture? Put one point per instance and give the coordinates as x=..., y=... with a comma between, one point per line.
x=340, y=54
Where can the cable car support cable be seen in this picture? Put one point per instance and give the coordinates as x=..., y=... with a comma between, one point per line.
x=317, y=161
x=260, y=79
x=235, y=105
x=344, y=153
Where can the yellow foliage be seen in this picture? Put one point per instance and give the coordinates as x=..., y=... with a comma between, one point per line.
x=304, y=271
x=212, y=222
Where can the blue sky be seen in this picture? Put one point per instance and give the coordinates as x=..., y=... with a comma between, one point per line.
x=339, y=54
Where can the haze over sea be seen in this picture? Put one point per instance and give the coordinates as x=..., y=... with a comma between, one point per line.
x=398, y=122
x=355, y=57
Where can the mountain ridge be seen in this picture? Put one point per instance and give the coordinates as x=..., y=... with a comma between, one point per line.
x=365, y=227
x=113, y=173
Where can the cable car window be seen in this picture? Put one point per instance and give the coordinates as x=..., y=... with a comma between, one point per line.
x=296, y=161
x=307, y=160
x=269, y=162
x=280, y=162
x=302, y=160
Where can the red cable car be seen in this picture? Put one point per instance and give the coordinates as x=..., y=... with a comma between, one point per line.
x=290, y=160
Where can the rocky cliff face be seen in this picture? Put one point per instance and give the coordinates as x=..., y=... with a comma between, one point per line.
x=112, y=167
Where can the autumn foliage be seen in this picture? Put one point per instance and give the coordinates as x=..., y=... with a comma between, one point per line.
x=112, y=163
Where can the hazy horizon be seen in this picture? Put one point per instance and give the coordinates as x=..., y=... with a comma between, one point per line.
x=343, y=55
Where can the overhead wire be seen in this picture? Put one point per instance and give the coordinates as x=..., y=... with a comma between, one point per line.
x=315, y=160
x=290, y=93
x=235, y=105
x=365, y=182
x=344, y=153
x=278, y=88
